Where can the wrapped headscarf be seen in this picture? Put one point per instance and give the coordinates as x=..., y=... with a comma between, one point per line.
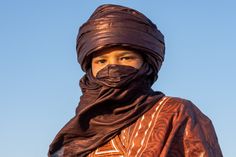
x=111, y=101
x=113, y=25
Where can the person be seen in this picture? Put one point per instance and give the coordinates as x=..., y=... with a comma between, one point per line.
x=121, y=51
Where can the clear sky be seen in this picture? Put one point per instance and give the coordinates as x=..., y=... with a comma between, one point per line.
x=39, y=74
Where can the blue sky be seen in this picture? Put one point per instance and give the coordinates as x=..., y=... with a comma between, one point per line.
x=39, y=74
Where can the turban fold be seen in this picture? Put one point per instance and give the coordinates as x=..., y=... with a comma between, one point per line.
x=114, y=25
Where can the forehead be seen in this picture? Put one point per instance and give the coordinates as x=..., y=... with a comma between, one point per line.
x=114, y=51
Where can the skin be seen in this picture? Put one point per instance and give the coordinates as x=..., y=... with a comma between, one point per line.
x=117, y=56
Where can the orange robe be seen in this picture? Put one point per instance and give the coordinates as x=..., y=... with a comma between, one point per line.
x=174, y=127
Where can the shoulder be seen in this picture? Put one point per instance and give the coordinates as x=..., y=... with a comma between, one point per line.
x=181, y=107
x=176, y=104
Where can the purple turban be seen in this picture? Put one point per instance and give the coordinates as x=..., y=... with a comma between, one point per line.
x=114, y=25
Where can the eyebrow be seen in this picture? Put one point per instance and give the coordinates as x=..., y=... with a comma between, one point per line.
x=125, y=52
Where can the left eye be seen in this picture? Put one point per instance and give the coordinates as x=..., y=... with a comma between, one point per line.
x=125, y=58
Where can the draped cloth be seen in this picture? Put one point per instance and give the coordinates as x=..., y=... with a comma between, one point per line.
x=110, y=102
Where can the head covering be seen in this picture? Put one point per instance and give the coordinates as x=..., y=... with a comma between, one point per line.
x=114, y=25
x=119, y=94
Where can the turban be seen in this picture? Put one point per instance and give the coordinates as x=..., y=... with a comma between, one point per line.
x=114, y=25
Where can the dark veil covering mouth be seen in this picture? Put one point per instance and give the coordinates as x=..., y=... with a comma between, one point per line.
x=105, y=109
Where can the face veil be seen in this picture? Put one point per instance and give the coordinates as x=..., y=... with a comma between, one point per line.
x=110, y=101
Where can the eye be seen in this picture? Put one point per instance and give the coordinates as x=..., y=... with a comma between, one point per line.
x=126, y=58
x=100, y=61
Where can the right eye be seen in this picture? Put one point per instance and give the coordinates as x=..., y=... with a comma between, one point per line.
x=100, y=61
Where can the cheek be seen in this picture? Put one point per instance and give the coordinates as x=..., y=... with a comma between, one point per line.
x=96, y=68
x=135, y=63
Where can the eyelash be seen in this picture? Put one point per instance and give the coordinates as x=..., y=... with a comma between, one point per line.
x=102, y=61
x=127, y=58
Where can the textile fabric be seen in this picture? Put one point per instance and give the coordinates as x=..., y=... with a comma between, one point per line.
x=173, y=127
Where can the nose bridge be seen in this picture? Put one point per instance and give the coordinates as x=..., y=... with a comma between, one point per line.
x=113, y=60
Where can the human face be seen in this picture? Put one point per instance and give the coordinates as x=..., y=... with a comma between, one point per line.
x=117, y=56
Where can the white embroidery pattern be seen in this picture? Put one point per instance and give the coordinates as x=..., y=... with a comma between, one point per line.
x=148, y=130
